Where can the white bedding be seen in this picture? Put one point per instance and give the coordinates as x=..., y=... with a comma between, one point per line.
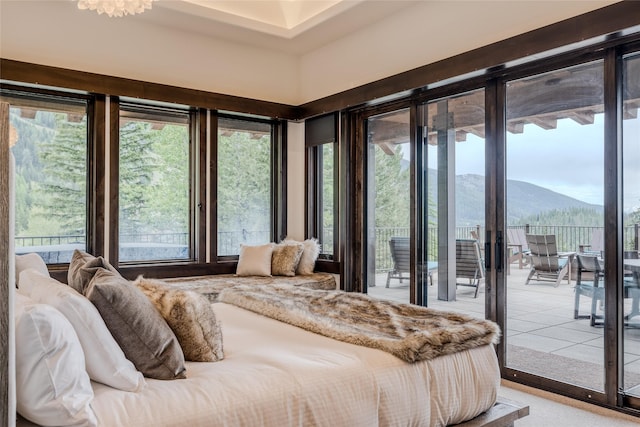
x=275, y=374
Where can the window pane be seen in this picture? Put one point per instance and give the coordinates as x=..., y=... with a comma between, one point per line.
x=154, y=187
x=554, y=225
x=244, y=184
x=327, y=199
x=631, y=215
x=51, y=176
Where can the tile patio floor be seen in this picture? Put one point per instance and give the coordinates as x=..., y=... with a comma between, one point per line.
x=545, y=338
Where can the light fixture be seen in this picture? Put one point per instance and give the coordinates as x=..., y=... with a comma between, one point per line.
x=116, y=8
x=13, y=136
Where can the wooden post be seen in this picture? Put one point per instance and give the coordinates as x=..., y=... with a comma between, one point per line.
x=446, y=203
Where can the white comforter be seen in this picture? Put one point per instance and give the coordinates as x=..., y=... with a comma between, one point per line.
x=279, y=375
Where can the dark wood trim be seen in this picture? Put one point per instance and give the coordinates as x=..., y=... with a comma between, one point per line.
x=114, y=178
x=200, y=184
x=6, y=310
x=615, y=20
x=95, y=198
x=213, y=187
x=117, y=86
x=494, y=130
x=613, y=222
x=279, y=171
x=328, y=266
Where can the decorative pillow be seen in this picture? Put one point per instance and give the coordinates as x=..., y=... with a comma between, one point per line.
x=309, y=256
x=105, y=361
x=190, y=316
x=136, y=325
x=82, y=268
x=52, y=387
x=255, y=260
x=285, y=259
x=31, y=260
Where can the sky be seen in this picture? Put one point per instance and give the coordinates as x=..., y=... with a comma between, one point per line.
x=568, y=159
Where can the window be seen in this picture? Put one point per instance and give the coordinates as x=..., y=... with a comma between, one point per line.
x=51, y=174
x=154, y=184
x=244, y=190
x=322, y=159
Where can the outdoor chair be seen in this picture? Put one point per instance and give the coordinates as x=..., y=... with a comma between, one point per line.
x=590, y=283
x=546, y=263
x=519, y=248
x=400, y=255
x=596, y=246
x=469, y=264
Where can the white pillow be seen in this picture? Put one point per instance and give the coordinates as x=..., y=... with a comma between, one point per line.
x=105, y=360
x=309, y=256
x=255, y=260
x=30, y=260
x=52, y=387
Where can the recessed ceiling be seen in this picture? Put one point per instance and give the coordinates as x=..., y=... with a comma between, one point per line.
x=293, y=26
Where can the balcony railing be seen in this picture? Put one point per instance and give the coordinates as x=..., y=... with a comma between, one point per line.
x=569, y=238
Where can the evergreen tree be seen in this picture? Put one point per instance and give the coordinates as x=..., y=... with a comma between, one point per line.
x=64, y=160
x=137, y=165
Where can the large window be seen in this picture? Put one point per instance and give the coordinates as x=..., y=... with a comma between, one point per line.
x=50, y=152
x=244, y=190
x=154, y=184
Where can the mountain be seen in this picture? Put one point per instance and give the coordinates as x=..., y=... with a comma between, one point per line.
x=524, y=200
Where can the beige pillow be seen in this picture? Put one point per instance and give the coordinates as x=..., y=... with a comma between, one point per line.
x=190, y=316
x=137, y=326
x=82, y=268
x=309, y=256
x=255, y=260
x=285, y=258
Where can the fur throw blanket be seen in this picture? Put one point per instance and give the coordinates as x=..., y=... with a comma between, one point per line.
x=407, y=331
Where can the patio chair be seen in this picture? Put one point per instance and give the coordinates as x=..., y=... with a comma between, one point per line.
x=400, y=255
x=596, y=247
x=546, y=263
x=469, y=263
x=589, y=283
x=517, y=243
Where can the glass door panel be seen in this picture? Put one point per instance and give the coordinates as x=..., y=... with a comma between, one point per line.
x=455, y=185
x=554, y=218
x=631, y=222
x=388, y=212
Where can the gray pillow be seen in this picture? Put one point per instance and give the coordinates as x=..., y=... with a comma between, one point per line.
x=82, y=268
x=190, y=316
x=136, y=325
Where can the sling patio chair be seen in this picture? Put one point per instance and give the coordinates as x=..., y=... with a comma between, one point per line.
x=469, y=264
x=400, y=255
x=546, y=262
x=596, y=246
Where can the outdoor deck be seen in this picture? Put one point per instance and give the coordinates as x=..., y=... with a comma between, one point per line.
x=542, y=335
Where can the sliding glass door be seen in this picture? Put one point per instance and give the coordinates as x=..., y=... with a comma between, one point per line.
x=631, y=222
x=554, y=221
x=388, y=152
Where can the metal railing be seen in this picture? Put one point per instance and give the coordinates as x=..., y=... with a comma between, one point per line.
x=568, y=238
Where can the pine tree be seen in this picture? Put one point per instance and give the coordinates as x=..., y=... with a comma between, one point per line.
x=137, y=165
x=64, y=186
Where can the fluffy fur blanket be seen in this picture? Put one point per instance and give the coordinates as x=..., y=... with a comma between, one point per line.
x=407, y=331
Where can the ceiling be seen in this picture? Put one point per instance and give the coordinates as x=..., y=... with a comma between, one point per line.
x=292, y=26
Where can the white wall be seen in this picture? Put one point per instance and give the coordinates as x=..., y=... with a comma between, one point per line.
x=418, y=35
x=56, y=33
x=295, y=181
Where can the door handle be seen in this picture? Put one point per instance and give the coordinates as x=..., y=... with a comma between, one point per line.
x=498, y=251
